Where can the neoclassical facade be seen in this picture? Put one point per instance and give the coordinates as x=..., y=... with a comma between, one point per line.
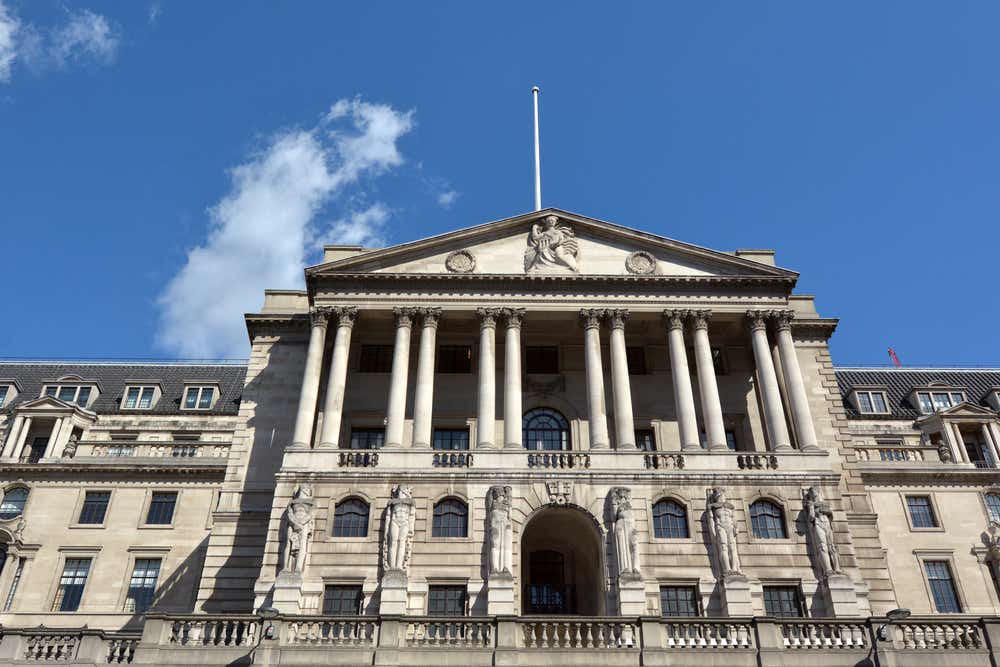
x=539, y=440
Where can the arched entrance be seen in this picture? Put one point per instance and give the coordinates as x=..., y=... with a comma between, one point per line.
x=562, y=570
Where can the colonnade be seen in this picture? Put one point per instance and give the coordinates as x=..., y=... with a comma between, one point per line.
x=678, y=322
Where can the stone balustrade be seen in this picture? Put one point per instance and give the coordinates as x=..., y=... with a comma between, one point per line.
x=757, y=461
x=70, y=646
x=153, y=449
x=949, y=636
x=55, y=647
x=452, y=460
x=663, y=461
x=558, y=460
x=892, y=454
x=213, y=631
x=818, y=635
x=347, y=631
x=570, y=633
x=358, y=459
x=448, y=632
x=718, y=634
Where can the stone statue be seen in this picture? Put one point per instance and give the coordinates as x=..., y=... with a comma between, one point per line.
x=626, y=536
x=398, y=529
x=498, y=504
x=991, y=538
x=551, y=247
x=722, y=528
x=301, y=523
x=69, y=451
x=821, y=525
x=19, y=530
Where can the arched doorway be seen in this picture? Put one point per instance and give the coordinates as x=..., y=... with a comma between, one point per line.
x=562, y=571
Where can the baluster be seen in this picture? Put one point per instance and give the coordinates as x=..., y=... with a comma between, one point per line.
x=601, y=642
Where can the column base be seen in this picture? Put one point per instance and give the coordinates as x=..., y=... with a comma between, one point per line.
x=513, y=445
x=692, y=448
x=783, y=448
x=298, y=446
x=718, y=447
x=812, y=448
x=485, y=445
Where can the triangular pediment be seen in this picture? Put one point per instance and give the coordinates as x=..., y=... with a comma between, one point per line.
x=550, y=241
x=966, y=410
x=52, y=405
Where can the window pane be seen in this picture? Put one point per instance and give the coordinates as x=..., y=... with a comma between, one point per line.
x=142, y=585
x=340, y=600
x=678, y=601
x=545, y=429
x=67, y=394
x=147, y=398
x=645, y=440
x=3, y=394
x=350, y=519
x=447, y=439
x=95, y=506
x=13, y=503
x=921, y=512
x=451, y=519
x=767, y=520
x=161, y=508
x=942, y=587
x=132, y=398
x=731, y=440
x=670, y=520
x=71, y=584
x=446, y=601
x=864, y=401
x=191, y=398
x=367, y=438
x=375, y=359
x=541, y=359
x=878, y=402
x=941, y=401
x=454, y=359
x=925, y=403
x=992, y=506
x=957, y=398
x=206, y=398
x=83, y=396
x=782, y=601
x=51, y=391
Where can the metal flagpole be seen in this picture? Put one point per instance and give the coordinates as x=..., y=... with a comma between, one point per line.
x=538, y=164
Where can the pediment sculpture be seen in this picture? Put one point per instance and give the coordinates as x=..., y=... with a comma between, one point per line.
x=552, y=248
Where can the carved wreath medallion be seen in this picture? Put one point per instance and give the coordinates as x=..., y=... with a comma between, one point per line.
x=460, y=261
x=640, y=263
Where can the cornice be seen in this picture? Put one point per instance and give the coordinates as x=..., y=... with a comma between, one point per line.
x=145, y=466
x=553, y=278
x=921, y=475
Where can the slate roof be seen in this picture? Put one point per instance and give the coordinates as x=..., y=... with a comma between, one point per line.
x=901, y=381
x=113, y=376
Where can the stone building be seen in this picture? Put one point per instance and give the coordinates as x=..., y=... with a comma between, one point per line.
x=542, y=440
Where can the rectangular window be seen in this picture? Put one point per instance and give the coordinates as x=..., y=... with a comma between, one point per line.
x=542, y=359
x=921, y=512
x=718, y=361
x=925, y=403
x=783, y=601
x=95, y=506
x=342, y=600
x=872, y=402
x=9, y=602
x=367, y=438
x=142, y=585
x=138, y=398
x=636, y=357
x=70, y=393
x=376, y=359
x=679, y=601
x=942, y=587
x=449, y=439
x=731, y=440
x=71, y=584
x=121, y=450
x=161, y=508
x=454, y=359
x=446, y=601
x=645, y=440
x=4, y=389
x=34, y=452
x=198, y=398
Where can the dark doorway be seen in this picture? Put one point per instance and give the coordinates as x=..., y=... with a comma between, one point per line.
x=561, y=565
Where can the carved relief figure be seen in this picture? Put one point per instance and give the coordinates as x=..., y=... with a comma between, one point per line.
x=991, y=538
x=398, y=529
x=821, y=525
x=498, y=504
x=626, y=536
x=551, y=247
x=722, y=528
x=300, y=529
x=69, y=451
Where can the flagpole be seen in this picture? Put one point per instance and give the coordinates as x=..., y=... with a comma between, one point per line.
x=538, y=165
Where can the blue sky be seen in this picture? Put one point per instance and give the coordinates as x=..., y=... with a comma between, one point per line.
x=159, y=159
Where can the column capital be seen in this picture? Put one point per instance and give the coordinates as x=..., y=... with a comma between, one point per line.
x=514, y=317
x=782, y=319
x=617, y=317
x=319, y=316
x=590, y=318
x=699, y=318
x=674, y=317
x=488, y=317
x=430, y=316
x=346, y=315
x=757, y=319
x=404, y=316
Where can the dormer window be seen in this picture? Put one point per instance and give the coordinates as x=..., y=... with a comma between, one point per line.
x=199, y=397
x=871, y=402
x=5, y=394
x=139, y=397
x=71, y=393
x=933, y=401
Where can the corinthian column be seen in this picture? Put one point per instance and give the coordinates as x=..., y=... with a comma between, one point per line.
x=423, y=403
x=336, y=383
x=711, y=407
x=396, y=411
x=805, y=432
x=306, y=415
x=596, y=410
x=512, y=379
x=621, y=389
x=687, y=420
x=774, y=414
x=486, y=422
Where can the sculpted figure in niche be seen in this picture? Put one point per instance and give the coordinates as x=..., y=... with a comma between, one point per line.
x=498, y=504
x=551, y=247
x=991, y=538
x=626, y=536
x=398, y=529
x=722, y=527
x=821, y=524
x=300, y=528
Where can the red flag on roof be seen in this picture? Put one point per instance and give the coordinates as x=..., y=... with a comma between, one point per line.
x=894, y=358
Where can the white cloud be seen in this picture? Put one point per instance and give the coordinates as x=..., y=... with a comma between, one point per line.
x=9, y=26
x=446, y=199
x=153, y=13
x=85, y=36
x=262, y=229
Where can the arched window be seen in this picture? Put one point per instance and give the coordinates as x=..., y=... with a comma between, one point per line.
x=13, y=503
x=451, y=519
x=545, y=429
x=350, y=519
x=993, y=506
x=767, y=520
x=670, y=519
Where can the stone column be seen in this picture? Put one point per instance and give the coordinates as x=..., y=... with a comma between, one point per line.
x=596, y=408
x=486, y=421
x=774, y=413
x=683, y=396
x=53, y=437
x=805, y=431
x=423, y=402
x=306, y=415
x=621, y=389
x=994, y=429
x=992, y=444
x=711, y=406
x=959, y=442
x=336, y=385
x=13, y=435
x=512, y=379
x=396, y=410
x=949, y=441
x=22, y=437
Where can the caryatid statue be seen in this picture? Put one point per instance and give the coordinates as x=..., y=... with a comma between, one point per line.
x=821, y=525
x=498, y=504
x=398, y=529
x=722, y=527
x=301, y=523
x=626, y=536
